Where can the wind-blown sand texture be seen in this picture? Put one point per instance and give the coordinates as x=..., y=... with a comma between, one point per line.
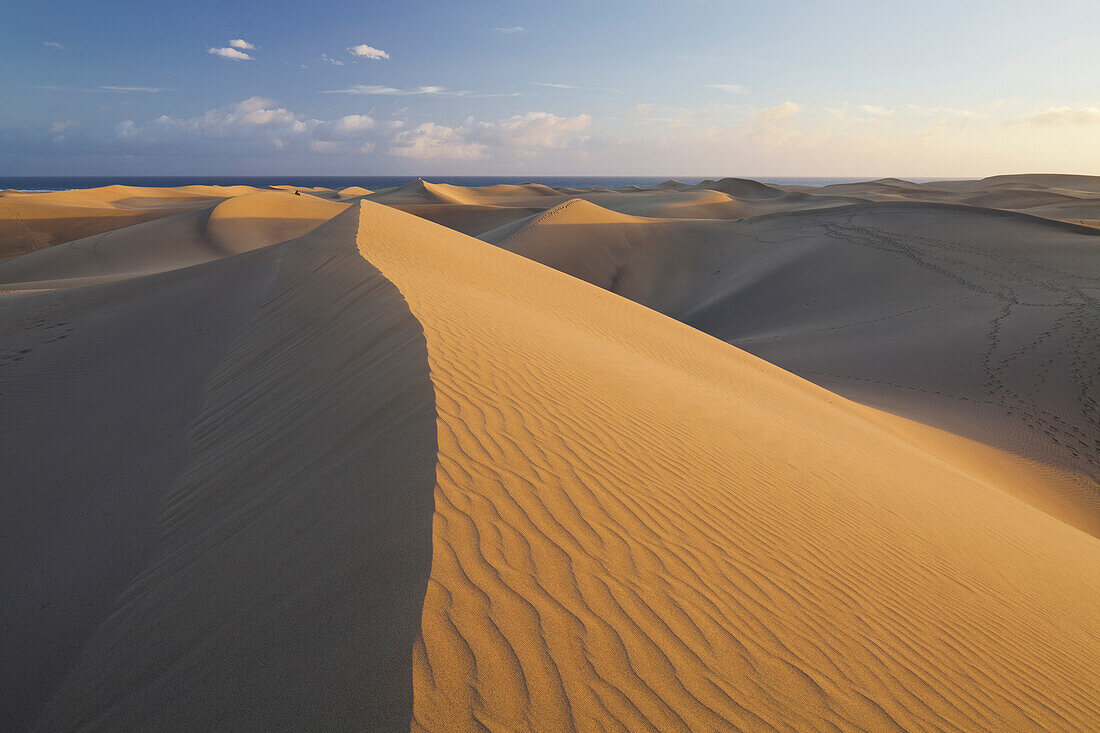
x=314, y=461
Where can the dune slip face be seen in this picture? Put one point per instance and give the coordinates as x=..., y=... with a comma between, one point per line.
x=282, y=584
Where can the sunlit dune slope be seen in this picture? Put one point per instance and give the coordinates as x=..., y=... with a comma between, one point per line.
x=637, y=525
x=259, y=219
x=975, y=320
x=353, y=192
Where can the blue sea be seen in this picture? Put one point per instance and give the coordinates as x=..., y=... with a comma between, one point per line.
x=68, y=183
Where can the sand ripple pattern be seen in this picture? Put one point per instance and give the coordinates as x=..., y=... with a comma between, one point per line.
x=638, y=527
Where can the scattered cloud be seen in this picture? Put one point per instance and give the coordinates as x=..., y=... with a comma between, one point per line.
x=944, y=112
x=508, y=30
x=230, y=53
x=254, y=125
x=376, y=90
x=533, y=131
x=876, y=110
x=53, y=44
x=731, y=88
x=368, y=52
x=1079, y=116
x=138, y=90
x=678, y=118
x=105, y=89
x=351, y=124
x=328, y=59
x=552, y=85
x=429, y=141
x=767, y=124
x=126, y=129
x=530, y=134
x=241, y=44
x=59, y=127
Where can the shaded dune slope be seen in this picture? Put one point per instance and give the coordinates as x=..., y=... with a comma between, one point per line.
x=283, y=582
x=98, y=386
x=245, y=222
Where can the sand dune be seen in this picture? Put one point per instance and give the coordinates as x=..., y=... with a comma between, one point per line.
x=282, y=462
x=259, y=219
x=260, y=573
x=950, y=315
x=245, y=222
x=34, y=221
x=353, y=192
x=1074, y=199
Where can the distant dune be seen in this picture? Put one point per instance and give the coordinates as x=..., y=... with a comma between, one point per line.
x=281, y=461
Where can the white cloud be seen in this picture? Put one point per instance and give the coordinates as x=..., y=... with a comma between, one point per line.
x=368, y=52
x=373, y=89
x=556, y=85
x=774, y=115
x=349, y=125
x=252, y=118
x=126, y=129
x=230, y=53
x=510, y=29
x=876, y=110
x=641, y=110
x=731, y=88
x=552, y=85
x=1079, y=116
x=59, y=127
x=769, y=125
x=533, y=131
x=105, y=89
x=335, y=62
x=253, y=125
x=241, y=44
x=678, y=118
x=943, y=112
x=429, y=141
x=53, y=44
x=529, y=133
x=139, y=90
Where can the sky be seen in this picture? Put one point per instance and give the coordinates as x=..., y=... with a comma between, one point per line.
x=603, y=87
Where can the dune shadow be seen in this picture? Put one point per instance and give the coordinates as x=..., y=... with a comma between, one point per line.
x=293, y=553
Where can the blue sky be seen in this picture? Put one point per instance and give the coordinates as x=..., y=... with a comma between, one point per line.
x=617, y=87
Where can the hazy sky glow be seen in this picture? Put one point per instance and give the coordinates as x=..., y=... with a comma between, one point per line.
x=616, y=87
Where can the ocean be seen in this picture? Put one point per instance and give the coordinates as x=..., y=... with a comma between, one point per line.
x=68, y=183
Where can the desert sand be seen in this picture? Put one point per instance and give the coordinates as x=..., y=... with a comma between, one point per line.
x=726, y=456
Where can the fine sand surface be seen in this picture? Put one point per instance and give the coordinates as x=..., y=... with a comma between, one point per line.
x=315, y=461
x=983, y=322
